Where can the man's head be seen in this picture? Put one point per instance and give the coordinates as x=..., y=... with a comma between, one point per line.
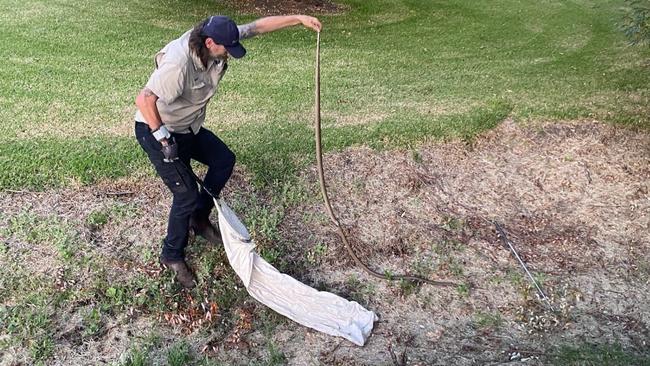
x=222, y=37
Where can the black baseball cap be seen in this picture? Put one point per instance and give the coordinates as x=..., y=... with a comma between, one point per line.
x=224, y=31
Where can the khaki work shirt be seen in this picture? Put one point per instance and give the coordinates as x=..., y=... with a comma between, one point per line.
x=183, y=86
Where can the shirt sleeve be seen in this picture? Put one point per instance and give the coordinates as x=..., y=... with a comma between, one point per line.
x=167, y=82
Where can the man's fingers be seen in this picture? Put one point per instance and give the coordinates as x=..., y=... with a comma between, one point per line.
x=312, y=23
x=315, y=24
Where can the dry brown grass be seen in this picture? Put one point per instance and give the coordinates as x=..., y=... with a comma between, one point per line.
x=572, y=196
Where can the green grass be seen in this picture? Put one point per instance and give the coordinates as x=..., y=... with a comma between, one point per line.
x=598, y=354
x=136, y=357
x=30, y=322
x=36, y=306
x=487, y=320
x=179, y=354
x=276, y=356
x=50, y=231
x=394, y=74
x=360, y=291
x=98, y=219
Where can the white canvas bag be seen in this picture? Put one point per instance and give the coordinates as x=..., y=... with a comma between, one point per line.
x=323, y=311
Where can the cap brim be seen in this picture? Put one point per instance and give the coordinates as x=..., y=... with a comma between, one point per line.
x=236, y=50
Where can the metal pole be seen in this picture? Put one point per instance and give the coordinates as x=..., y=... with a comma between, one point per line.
x=508, y=243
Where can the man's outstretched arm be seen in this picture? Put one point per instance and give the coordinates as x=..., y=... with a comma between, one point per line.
x=273, y=23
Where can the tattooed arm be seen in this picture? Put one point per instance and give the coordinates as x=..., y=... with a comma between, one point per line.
x=146, y=103
x=273, y=23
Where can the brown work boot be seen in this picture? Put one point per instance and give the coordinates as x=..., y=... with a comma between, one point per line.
x=204, y=228
x=183, y=273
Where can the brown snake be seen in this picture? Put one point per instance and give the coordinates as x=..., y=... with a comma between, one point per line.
x=328, y=206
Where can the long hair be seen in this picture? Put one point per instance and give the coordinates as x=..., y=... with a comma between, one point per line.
x=197, y=43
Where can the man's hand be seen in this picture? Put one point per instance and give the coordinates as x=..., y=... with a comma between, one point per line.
x=169, y=150
x=310, y=22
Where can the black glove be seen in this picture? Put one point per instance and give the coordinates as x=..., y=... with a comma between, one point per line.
x=170, y=151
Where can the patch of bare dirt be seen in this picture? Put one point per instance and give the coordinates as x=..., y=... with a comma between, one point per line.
x=572, y=197
x=283, y=7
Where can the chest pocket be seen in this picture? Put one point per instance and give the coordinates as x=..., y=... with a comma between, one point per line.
x=199, y=90
x=202, y=86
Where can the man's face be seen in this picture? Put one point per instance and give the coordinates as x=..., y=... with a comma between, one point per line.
x=217, y=51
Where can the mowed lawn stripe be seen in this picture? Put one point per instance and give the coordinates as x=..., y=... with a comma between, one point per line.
x=394, y=73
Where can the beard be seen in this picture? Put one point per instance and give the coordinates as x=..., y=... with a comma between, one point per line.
x=219, y=57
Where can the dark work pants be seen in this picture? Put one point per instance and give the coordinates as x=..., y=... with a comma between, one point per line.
x=204, y=147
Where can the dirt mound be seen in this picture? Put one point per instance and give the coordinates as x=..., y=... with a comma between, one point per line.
x=272, y=7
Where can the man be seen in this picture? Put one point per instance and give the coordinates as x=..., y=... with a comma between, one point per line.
x=169, y=124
